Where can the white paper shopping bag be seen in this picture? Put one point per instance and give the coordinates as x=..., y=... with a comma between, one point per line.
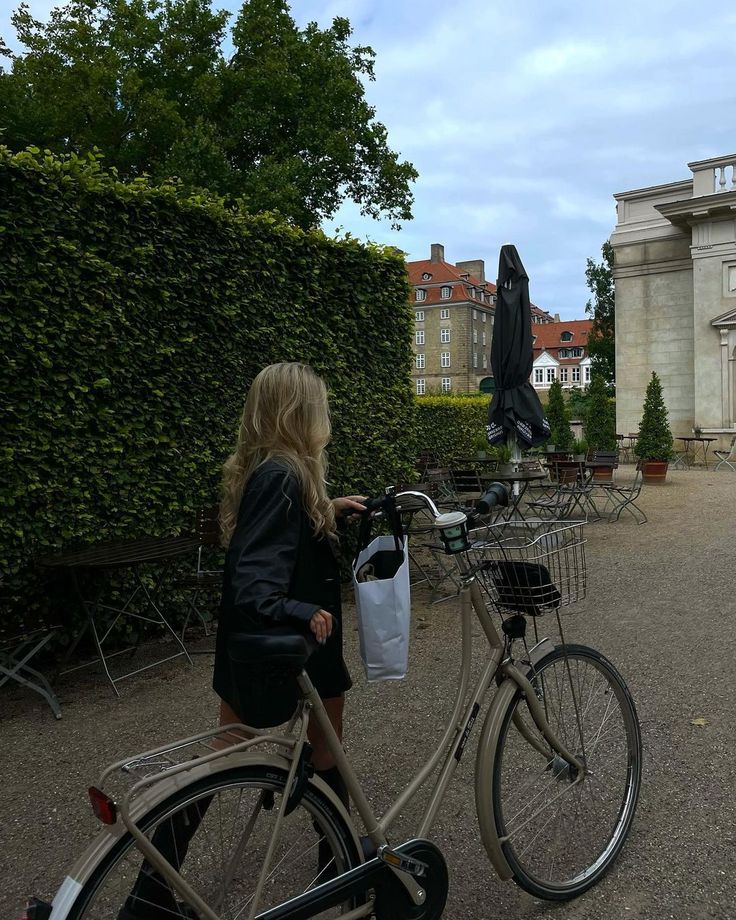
x=384, y=607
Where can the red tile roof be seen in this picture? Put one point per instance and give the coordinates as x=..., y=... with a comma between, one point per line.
x=548, y=334
x=444, y=274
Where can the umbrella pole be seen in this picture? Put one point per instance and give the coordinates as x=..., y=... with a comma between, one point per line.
x=513, y=446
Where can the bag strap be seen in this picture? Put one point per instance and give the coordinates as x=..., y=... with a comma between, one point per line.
x=393, y=517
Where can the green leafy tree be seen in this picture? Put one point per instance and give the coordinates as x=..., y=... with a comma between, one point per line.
x=281, y=124
x=655, y=437
x=558, y=417
x=600, y=422
x=602, y=309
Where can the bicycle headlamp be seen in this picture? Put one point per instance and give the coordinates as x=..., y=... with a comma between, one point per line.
x=453, y=528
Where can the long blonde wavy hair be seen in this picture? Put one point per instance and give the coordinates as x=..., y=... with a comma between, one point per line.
x=286, y=416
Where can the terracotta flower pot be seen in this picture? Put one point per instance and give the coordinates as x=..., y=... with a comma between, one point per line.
x=654, y=471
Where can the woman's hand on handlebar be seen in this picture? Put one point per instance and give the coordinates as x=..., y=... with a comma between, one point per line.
x=321, y=626
x=349, y=505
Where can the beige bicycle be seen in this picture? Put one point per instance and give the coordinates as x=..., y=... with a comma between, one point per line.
x=234, y=832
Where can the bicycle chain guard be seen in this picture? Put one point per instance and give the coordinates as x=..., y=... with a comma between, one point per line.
x=392, y=899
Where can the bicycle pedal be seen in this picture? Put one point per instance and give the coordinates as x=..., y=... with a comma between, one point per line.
x=402, y=863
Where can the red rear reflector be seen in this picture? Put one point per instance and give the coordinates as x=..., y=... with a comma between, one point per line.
x=103, y=807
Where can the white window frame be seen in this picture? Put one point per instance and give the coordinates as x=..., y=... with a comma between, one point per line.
x=550, y=376
x=576, y=375
x=484, y=336
x=587, y=373
x=446, y=292
x=475, y=359
x=475, y=336
x=475, y=314
x=446, y=384
x=483, y=317
x=419, y=337
x=444, y=359
x=421, y=361
x=445, y=313
x=421, y=386
x=444, y=336
x=420, y=294
x=419, y=316
x=563, y=375
x=485, y=361
x=538, y=375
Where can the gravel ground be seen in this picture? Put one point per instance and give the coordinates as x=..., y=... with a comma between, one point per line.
x=659, y=605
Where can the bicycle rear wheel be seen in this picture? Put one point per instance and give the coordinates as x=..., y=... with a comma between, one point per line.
x=560, y=836
x=217, y=830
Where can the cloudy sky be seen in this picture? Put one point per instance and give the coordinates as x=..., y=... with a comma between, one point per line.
x=524, y=118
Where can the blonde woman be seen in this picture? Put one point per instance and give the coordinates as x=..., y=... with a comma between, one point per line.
x=279, y=528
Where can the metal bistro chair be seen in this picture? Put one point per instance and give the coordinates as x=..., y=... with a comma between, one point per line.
x=203, y=580
x=573, y=489
x=727, y=457
x=467, y=486
x=624, y=498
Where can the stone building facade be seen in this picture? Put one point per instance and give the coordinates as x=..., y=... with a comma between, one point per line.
x=675, y=275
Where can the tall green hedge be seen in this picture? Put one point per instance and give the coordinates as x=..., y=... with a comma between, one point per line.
x=132, y=321
x=451, y=427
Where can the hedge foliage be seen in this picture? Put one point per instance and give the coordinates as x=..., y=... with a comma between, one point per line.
x=451, y=427
x=132, y=322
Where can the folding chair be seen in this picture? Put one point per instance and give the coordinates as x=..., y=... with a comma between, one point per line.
x=203, y=580
x=623, y=498
x=727, y=456
x=466, y=485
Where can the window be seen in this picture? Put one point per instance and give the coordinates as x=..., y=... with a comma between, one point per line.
x=421, y=362
x=419, y=337
x=587, y=375
x=484, y=335
x=538, y=374
x=446, y=384
x=445, y=292
x=421, y=294
x=576, y=375
x=444, y=336
x=419, y=316
x=563, y=375
x=475, y=336
x=550, y=375
x=426, y=276
x=445, y=313
x=566, y=336
x=485, y=361
x=475, y=359
x=445, y=359
x=475, y=314
x=483, y=317
x=421, y=386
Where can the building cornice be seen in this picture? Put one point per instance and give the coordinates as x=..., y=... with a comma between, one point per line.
x=652, y=268
x=685, y=213
x=684, y=185
x=725, y=319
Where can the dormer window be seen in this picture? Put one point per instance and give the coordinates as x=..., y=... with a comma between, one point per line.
x=446, y=292
x=566, y=337
x=421, y=294
x=426, y=276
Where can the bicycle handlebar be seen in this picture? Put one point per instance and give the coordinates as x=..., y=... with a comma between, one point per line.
x=497, y=495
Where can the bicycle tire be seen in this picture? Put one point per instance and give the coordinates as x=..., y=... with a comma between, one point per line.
x=315, y=815
x=587, y=816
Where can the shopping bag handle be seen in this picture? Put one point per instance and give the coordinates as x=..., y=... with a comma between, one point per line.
x=387, y=506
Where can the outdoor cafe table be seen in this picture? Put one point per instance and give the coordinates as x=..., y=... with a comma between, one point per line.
x=702, y=443
x=102, y=561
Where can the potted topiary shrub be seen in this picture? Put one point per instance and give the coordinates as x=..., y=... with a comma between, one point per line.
x=561, y=435
x=654, y=444
x=579, y=449
x=502, y=453
x=480, y=445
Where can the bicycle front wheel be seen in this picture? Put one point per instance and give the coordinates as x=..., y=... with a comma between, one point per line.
x=216, y=832
x=560, y=833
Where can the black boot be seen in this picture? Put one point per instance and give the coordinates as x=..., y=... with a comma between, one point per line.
x=152, y=897
x=325, y=857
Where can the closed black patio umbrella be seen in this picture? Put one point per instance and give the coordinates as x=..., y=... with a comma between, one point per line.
x=515, y=412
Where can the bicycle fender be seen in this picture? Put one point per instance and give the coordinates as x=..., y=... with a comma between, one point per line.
x=485, y=759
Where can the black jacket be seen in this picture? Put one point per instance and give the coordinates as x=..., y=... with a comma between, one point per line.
x=276, y=569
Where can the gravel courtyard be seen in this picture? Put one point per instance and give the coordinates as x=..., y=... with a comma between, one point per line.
x=660, y=602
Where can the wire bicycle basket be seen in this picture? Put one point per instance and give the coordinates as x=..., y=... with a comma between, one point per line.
x=530, y=567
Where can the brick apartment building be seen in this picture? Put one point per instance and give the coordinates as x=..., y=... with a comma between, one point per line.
x=454, y=308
